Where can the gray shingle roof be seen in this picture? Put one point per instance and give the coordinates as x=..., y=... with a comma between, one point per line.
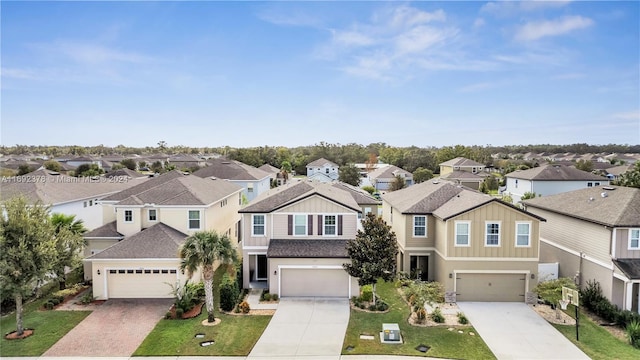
x=462, y=175
x=159, y=241
x=296, y=248
x=321, y=162
x=268, y=168
x=231, y=170
x=554, y=172
x=423, y=198
x=124, y=172
x=387, y=172
x=619, y=207
x=460, y=161
x=148, y=184
x=360, y=196
x=630, y=267
x=108, y=230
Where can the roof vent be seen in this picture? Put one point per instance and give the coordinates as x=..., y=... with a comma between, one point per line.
x=226, y=162
x=213, y=178
x=604, y=194
x=591, y=198
x=436, y=181
x=608, y=188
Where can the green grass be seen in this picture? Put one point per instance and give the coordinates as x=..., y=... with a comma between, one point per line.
x=597, y=342
x=443, y=343
x=234, y=336
x=49, y=326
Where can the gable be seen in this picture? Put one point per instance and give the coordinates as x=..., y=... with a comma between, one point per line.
x=315, y=204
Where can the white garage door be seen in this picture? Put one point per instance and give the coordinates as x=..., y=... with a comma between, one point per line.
x=490, y=287
x=136, y=283
x=314, y=282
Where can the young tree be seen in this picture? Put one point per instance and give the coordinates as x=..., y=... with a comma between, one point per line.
x=69, y=242
x=373, y=252
x=24, y=169
x=52, y=165
x=421, y=174
x=349, y=174
x=88, y=170
x=397, y=183
x=129, y=164
x=584, y=165
x=27, y=240
x=157, y=167
x=551, y=291
x=528, y=195
x=202, y=250
x=631, y=178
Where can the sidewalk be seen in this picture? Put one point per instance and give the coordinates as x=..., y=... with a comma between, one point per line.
x=254, y=301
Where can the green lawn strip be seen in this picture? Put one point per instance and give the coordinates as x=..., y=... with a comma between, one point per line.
x=234, y=336
x=597, y=342
x=443, y=343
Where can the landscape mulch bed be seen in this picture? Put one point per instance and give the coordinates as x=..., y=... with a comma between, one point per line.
x=194, y=312
x=14, y=334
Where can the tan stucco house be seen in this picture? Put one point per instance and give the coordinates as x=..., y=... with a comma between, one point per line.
x=478, y=247
x=135, y=254
x=594, y=234
x=294, y=238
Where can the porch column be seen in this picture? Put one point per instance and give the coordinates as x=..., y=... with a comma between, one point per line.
x=628, y=291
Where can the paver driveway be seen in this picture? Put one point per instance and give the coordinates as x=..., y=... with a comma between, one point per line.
x=115, y=328
x=515, y=331
x=303, y=327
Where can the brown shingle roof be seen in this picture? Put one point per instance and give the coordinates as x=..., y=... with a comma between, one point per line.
x=423, y=198
x=108, y=230
x=555, y=172
x=630, y=267
x=148, y=184
x=619, y=207
x=230, y=170
x=317, y=248
x=387, y=172
x=159, y=241
x=321, y=162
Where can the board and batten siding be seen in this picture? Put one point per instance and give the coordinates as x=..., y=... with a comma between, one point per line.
x=622, y=245
x=315, y=204
x=281, y=226
x=507, y=218
x=581, y=236
x=396, y=220
x=249, y=240
x=411, y=241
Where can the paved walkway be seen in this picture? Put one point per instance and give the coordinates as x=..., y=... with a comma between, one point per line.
x=514, y=331
x=254, y=301
x=115, y=328
x=304, y=327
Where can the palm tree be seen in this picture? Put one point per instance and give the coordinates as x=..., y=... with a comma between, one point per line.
x=203, y=249
x=69, y=242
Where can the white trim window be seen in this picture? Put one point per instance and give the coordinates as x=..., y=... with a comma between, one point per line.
x=492, y=233
x=300, y=224
x=419, y=226
x=463, y=233
x=634, y=239
x=152, y=215
x=258, y=225
x=194, y=219
x=523, y=234
x=128, y=216
x=330, y=225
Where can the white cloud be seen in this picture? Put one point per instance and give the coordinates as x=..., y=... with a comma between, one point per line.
x=630, y=115
x=477, y=87
x=539, y=29
x=478, y=23
x=405, y=16
x=352, y=38
x=421, y=38
x=509, y=8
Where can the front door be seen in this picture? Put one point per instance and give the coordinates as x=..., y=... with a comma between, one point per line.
x=419, y=267
x=262, y=267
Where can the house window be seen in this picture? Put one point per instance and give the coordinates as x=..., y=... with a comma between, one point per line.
x=128, y=216
x=462, y=233
x=523, y=234
x=492, y=234
x=90, y=202
x=420, y=226
x=299, y=224
x=589, y=184
x=330, y=225
x=516, y=183
x=223, y=203
x=194, y=219
x=596, y=184
x=153, y=216
x=634, y=239
x=326, y=170
x=85, y=204
x=257, y=225
x=250, y=188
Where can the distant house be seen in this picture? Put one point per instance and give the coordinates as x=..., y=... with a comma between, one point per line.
x=550, y=179
x=614, y=173
x=461, y=164
x=465, y=178
x=382, y=177
x=322, y=170
x=182, y=161
x=84, y=160
x=594, y=234
x=274, y=174
x=253, y=180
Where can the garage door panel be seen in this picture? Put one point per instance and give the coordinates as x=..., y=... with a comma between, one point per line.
x=314, y=282
x=490, y=287
x=140, y=285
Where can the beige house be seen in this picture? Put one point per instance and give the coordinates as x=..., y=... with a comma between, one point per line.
x=594, y=234
x=135, y=254
x=294, y=238
x=478, y=247
x=461, y=164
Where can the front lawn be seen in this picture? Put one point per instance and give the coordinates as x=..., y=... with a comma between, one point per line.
x=234, y=336
x=443, y=343
x=49, y=326
x=597, y=342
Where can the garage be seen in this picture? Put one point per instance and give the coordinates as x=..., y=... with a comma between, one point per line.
x=314, y=282
x=140, y=283
x=490, y=287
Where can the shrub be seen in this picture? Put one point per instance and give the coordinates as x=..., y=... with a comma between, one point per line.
x=372, y=307
x=179, y=313
x=591, y=294
x=421, y=314
x=462, y=318
x=168, y=315
x=266, y=297
x=551, y=291
x=633, y=334
x=198, y=289
x=366, y=293
x=54, y=300
x=87, y=298
x=244, y=307
x=237, y=309
x=48, y=305
x=412, y=299
x=229, y=293
x=185, y=296
x=437, y=316
x=274, y=297
x=381, y=305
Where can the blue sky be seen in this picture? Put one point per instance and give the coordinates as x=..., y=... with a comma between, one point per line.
x=248, y=74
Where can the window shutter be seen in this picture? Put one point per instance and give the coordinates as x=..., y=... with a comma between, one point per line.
x=339, y=224
x=320, y=224
x=290, y=224
x=310, y=225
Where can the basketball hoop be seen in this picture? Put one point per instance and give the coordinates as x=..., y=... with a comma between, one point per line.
x=563, y=304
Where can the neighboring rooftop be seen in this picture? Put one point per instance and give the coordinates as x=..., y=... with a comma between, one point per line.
x=460, y=161
x=555, y=172
x=106, y=231
x=321, y=162
x=230, y=170
x=388, y=172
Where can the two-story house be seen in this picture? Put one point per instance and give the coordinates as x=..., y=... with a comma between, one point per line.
x=135, y=254
x=322, y=170
x=594, y=234
x=478, y=247
x=253, y=180
x=295, y=236
x=382, y=177
x=461, y=164
x=550, y=179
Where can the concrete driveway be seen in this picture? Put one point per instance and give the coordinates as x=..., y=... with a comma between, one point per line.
x=303, y=327
x=115, y=328
x=514, y=331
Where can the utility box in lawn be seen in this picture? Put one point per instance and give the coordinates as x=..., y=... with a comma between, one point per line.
x=390, y=334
